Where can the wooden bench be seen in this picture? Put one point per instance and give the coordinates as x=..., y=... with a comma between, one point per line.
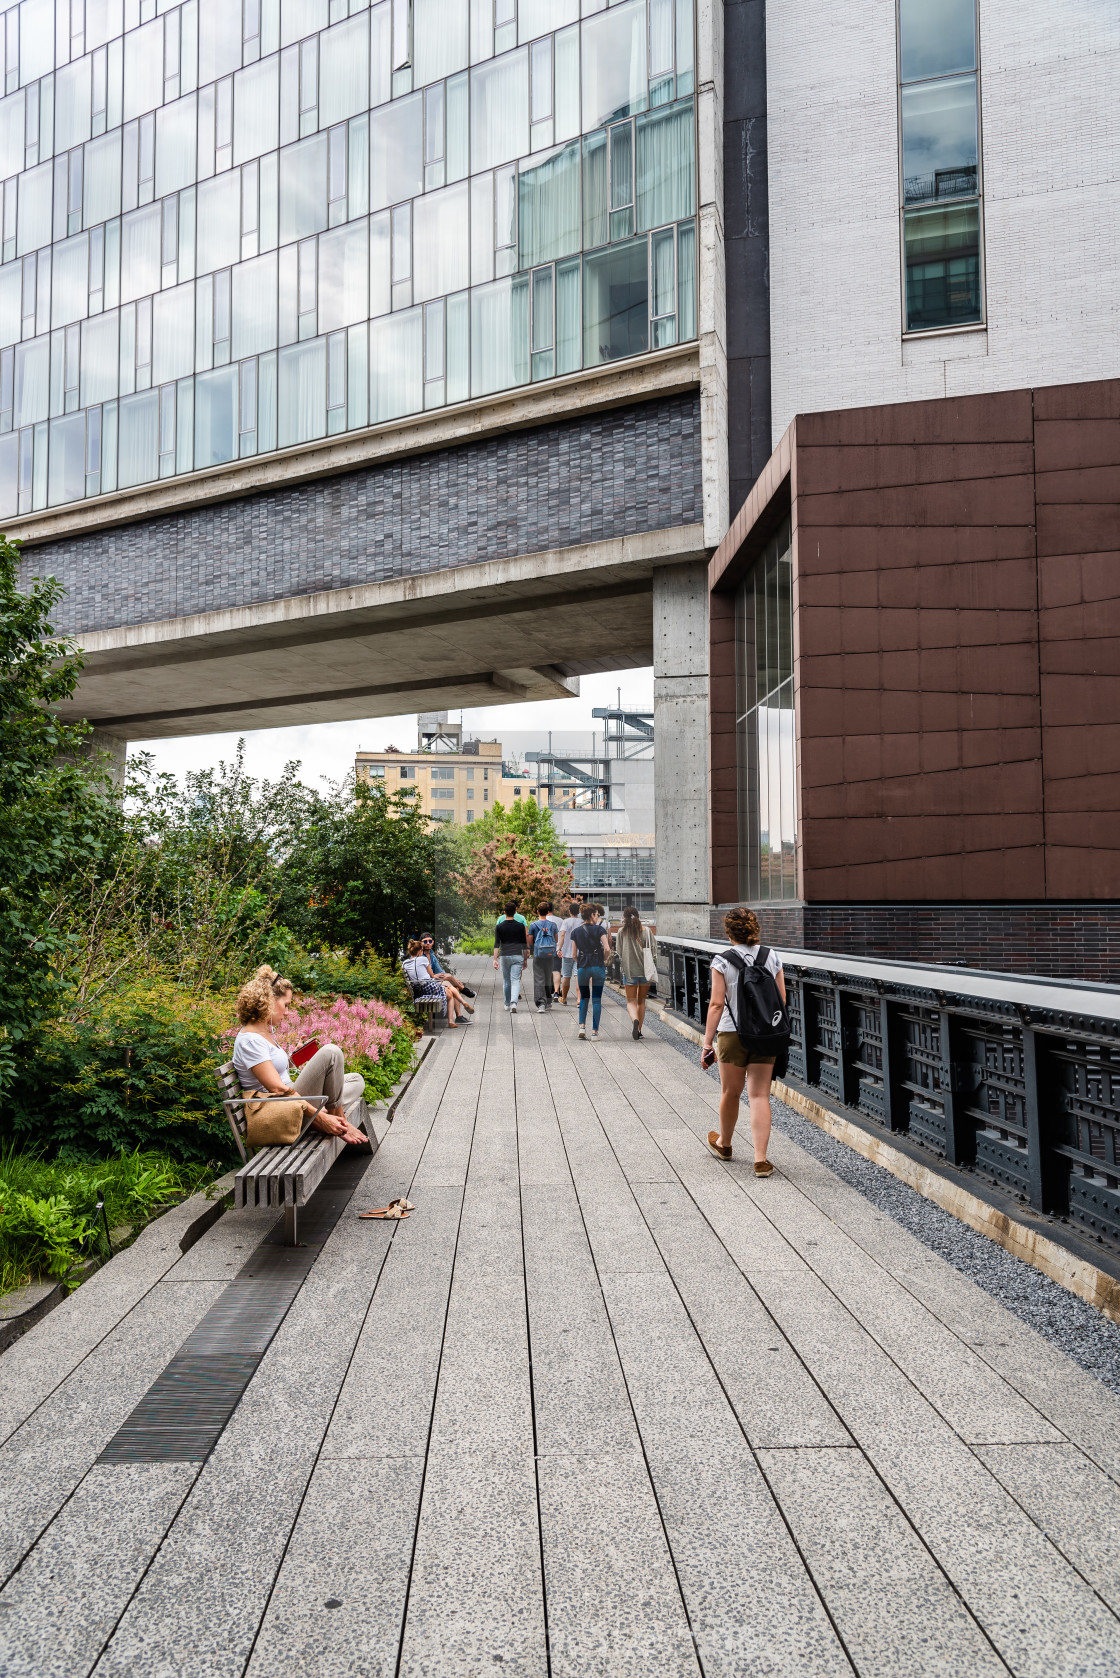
x=284, y=1177
x=428, y=1007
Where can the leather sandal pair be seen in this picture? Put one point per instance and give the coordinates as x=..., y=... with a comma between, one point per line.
x=395, y=1209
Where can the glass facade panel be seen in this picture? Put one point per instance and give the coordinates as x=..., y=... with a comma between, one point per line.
x=943, y=267
x=249, y=226
x=936, y=37
x=766, y=726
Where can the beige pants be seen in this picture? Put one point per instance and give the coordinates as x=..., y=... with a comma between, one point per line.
x=325, y=1074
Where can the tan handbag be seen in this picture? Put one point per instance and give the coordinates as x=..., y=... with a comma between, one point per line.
x=272, y=1124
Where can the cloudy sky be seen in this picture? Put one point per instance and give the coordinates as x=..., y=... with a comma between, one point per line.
x=327, y=749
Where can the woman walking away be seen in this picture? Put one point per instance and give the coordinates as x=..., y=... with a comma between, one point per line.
x=593, y=950
x=512, y=945
x=738, y=1063
x=634, y=944
x=417, y=969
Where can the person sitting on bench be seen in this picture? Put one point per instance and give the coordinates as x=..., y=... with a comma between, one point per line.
x=262, y=1065
x=424, y=985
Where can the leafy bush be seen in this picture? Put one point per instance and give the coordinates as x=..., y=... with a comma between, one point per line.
x=475, y=944
x=48, y=1217
x=334, y=973
x=137, y=1073
x=375, y=1039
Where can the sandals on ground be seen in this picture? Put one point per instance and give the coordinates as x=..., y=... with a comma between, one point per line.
x=395, y=1209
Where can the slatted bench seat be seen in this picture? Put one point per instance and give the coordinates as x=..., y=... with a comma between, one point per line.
x=284, y=1177
x=428, y=1007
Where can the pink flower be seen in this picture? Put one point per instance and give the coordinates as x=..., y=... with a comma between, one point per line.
x=359, y=1026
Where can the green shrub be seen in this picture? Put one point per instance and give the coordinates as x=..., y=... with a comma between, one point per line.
x=381, y=1075
x=475, y=944
x=330, y=973
x=48, y=1208
x=137, y=1074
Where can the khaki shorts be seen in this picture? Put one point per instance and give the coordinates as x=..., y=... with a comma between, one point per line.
x=732, y=1053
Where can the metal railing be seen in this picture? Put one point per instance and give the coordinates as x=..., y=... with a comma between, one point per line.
x=1014, y=1078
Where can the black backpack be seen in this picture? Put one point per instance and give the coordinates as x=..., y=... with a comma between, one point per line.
x=761, y=1017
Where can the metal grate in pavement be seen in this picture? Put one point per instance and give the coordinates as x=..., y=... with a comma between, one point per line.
x=184, y=1412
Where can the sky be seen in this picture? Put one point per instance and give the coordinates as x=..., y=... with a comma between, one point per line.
x=326, y=750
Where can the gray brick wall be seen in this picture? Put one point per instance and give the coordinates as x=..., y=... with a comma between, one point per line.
x=577, y=481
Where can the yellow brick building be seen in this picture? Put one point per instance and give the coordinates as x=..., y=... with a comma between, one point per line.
x=449, y=786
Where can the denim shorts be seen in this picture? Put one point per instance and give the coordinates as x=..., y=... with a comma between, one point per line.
x=567, y=966
x=637, y=979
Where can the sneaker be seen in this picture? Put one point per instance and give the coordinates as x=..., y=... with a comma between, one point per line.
x=594, y=1036
x=513, y=1007
x=540, y=1007
x=637, y=1031
x=583, y=1031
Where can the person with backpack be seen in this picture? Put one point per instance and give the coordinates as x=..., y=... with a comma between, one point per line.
x=543, y=945
x=748, y=1029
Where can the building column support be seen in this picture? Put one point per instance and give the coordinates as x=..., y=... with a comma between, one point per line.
x=680, y=709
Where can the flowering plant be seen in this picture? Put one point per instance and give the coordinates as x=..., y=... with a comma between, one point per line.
x=362, y=1027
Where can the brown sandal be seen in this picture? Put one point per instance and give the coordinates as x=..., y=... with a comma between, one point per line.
x=716, y=1145
x=763, y=1168
x=395, y=1209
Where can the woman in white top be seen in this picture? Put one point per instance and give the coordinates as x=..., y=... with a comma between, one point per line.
x=261, y=1064
x=736, y=1066
x=423, y=983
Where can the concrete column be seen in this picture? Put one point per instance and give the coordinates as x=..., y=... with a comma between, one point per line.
x=107, y=750
x=680, y=709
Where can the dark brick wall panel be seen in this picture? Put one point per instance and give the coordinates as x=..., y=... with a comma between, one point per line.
x=578, y=481
x=1055, y=940
x=746, y=221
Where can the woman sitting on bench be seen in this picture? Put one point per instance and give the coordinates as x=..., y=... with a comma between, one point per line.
x=424, y=985
x=261, y=1064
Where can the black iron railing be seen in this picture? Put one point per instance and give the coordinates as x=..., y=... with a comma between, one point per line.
x=1017, y=1079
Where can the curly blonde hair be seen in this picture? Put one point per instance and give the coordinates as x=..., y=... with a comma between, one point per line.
x=256, y=996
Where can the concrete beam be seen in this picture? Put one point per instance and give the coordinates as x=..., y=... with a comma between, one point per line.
x=504, y=631
x=680, y=705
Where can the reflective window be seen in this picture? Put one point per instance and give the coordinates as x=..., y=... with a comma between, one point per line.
x=766, y=731
x=231, y=228
x=939, y=115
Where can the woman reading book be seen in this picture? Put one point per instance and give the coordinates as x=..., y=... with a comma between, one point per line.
x=263, y=1066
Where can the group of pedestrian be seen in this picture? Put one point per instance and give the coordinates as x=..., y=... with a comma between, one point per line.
x=577, y=946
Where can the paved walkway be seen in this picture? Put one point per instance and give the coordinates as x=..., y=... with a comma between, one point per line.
x=602, y=1406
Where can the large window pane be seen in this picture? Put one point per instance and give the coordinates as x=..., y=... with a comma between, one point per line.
x=538, y=17
x=396, y=365
x=12, y=118
x=344, y=276
x=176, y=145
x=300, y=18
x=173, y=334
x=666, y=168
x=141, y=234
x=303, y=392
x=138, y=439
x=344, y=70
x=938, y=37
x=616, y=303
x=303, y=189
x=943, y=267
x=766, y=733
x=256, y=109
x=499, y=335
x=215, y=417
x=548, y=218
x=36, y=40
x=219, y=38
x=218, y=234
x=32, y=381
x=441, y=39
x=101, y=182
x=614, y=63
x=500, y=110
x=440, y=243
x=66, y=471
x=33, y=229
x=72, y=93
x=70, y=281
x=100, y=347
x=939, y=156
x=396, y=152
x=254, y=307
x=143, y=69
x=595, y=189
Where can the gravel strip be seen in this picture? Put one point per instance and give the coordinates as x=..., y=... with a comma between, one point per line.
x=1060, y=1317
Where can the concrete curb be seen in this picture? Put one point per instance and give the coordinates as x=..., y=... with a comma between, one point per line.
x=1079, y=1276
x=14, y=1326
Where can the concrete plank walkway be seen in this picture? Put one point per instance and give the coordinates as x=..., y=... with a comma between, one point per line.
x=604, y=1405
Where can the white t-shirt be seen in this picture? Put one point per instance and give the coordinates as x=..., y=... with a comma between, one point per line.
x=749, y=952
x=567, y=948
x=249, y=1050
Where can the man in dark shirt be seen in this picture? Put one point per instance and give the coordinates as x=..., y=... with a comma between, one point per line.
x=510, y=947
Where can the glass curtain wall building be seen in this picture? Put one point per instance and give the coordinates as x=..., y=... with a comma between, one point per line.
x=766, y=730
x=236, y=226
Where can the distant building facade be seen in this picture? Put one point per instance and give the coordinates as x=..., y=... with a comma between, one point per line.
x=449, y=786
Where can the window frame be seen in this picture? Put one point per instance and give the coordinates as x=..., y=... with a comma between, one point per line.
x=976, y=198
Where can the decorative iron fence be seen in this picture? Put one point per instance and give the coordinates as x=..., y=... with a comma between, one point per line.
x=1016, y=1079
